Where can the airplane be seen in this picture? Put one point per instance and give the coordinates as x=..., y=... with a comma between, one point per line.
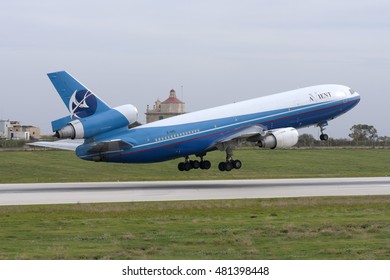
x=102, y=133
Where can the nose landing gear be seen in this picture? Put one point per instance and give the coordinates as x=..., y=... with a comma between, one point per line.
x=323, y=136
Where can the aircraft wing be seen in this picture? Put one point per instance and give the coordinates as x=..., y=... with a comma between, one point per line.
x=66, y=144
x=250, y=132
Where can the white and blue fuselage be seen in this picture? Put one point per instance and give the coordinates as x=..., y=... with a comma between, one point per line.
x=199, y=132
x=268, y=122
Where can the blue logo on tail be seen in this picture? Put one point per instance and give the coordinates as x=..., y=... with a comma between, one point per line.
x=82, y=104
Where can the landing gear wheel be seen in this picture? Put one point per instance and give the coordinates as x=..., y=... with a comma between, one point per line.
x=187, y=166
x=195, y=164
x=228, y=166
x=225, y=166
x=205, y=164
x=184, y=166
x=324, y=137
x=236, y=164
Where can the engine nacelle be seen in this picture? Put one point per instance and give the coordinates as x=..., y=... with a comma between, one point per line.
x=115, y=118
x=279, y=139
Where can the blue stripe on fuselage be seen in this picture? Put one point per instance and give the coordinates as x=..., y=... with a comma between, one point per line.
x=155, y=144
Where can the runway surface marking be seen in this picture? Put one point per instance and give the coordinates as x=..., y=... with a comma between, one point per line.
x=63, y=193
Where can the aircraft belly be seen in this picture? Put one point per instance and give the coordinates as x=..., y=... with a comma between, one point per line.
x=159, y=153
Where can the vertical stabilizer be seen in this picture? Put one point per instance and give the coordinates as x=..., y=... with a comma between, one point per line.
x=79, y=100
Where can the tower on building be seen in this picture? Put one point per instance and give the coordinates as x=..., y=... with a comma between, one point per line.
x=170, y=107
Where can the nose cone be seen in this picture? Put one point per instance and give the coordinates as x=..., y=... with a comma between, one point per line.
x=354, y=97
x=357, y=98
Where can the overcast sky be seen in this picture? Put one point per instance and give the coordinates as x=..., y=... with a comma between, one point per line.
x=219, y=51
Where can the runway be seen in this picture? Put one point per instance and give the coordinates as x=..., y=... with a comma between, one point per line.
x=63, y=193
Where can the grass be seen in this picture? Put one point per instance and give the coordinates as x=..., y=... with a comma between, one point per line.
x=63, y=166
x=293, y=228
x=290, y=228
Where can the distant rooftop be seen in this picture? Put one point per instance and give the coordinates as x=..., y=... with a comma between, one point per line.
x=172, y=98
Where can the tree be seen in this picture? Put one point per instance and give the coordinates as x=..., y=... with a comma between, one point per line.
x=363, y=132
x=306, y=140
x=383, y=140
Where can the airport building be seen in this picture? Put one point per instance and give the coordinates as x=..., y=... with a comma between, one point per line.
x=170, y=107
x=14, y=130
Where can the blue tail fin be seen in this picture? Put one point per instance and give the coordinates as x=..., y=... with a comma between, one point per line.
x=80, y=101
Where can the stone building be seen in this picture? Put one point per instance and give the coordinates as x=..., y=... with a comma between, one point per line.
x=170, y=107
x=14, y=130
x=4, y=127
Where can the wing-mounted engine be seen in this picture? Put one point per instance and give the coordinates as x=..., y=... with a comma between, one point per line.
x=99, y=123
x=279, y=138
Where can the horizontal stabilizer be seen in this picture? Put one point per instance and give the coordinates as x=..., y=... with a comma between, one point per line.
x=60, y=123
x=65, y=144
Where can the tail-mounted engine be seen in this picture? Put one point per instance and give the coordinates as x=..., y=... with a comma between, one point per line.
x=115, y=118
x=279, y=138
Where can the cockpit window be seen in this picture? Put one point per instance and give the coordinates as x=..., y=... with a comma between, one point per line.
x=351, y=91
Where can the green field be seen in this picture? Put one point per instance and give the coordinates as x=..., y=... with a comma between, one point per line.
x=63, y=166
x=292, y=228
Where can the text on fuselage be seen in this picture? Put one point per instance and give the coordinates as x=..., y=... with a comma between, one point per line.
x=320, y=96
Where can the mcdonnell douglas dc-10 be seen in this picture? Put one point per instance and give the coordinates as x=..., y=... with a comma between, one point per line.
x=267, y=122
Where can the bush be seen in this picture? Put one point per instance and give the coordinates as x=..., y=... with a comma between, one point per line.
x=4, y=144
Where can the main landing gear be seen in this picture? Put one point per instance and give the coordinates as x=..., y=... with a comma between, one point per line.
x=188, y=164
x=229, y=165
